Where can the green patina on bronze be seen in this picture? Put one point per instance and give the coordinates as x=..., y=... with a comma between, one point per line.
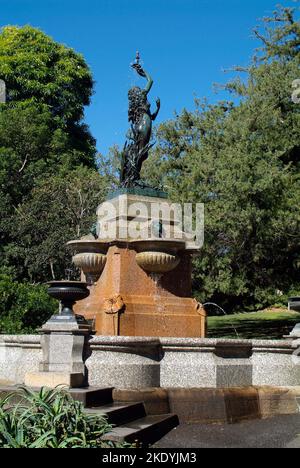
x=145, y=192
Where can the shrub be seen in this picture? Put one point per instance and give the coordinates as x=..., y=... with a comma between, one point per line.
x=23, y=307
x=50, y=419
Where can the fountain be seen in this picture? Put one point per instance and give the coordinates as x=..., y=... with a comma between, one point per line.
x=135, y=270
x=136, y=289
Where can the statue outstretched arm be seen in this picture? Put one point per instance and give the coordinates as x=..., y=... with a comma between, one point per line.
x=155, y=114
x=149, y=82
x=144, y=74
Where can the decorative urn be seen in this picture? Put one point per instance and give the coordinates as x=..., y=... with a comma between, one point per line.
x=158, y=255
x=68, y=293
x=90, y=257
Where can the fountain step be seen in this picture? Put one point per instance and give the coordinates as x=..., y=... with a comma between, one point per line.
x=132, y=424
x=146, y=431
x=92, y=397
x=119, y=413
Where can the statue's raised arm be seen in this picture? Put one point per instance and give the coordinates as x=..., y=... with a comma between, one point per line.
x=144, y=74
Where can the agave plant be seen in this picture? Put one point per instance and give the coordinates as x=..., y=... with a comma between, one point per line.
x=49, y=419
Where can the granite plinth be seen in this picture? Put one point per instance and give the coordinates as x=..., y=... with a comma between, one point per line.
x=192, y=363
x=63, y=343
x=54, y=379
x=143, y=192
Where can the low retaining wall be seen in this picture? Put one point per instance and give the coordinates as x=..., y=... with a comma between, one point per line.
x=133, y=363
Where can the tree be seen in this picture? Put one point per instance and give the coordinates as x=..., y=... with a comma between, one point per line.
x=243, y=162
x=37, y=70
x=58, y=210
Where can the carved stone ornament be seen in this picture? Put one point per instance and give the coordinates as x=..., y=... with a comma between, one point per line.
x=114, y=305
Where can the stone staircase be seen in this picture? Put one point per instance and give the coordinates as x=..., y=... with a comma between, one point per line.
x=129, y=420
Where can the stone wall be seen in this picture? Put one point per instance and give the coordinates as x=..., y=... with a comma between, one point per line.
x=19, y=354
x=126, y=362
x=191, y=363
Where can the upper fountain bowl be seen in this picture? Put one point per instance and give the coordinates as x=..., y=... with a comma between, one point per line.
x=158, y=255
x=88, y=246
x=170, y=246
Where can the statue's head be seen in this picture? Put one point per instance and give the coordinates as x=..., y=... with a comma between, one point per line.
x=134, y=91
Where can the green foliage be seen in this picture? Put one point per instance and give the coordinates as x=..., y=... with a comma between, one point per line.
x=36, y=68
x=49, y=419
x=242, y=161
x=23, y=307
x=62, y=190
x=109, y=166
x=41, y=73
x=58, y=210
x=48, y=174
x=25, y=142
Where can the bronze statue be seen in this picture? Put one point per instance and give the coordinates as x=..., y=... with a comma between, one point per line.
x=138, y=144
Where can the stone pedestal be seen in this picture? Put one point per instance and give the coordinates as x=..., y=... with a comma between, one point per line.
x=63, y=343
x=144, y=288
x=126, y=301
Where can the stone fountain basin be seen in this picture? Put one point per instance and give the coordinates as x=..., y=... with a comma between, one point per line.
x=88, y=246
x=158, y=255
x=170, y=246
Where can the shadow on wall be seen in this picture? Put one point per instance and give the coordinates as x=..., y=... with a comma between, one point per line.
x=207, y=405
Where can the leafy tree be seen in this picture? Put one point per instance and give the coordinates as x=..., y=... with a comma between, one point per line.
x=58, y=210
x=39, y=70
x=42, y=135
x=109, y=166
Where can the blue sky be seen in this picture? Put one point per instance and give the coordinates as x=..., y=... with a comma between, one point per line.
x=184, y=44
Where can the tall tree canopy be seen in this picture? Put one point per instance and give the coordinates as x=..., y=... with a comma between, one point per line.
x=36, y=68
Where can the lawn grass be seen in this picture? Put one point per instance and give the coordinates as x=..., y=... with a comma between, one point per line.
x=268, y=325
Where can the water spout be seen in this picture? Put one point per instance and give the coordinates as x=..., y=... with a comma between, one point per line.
x=225, y=313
